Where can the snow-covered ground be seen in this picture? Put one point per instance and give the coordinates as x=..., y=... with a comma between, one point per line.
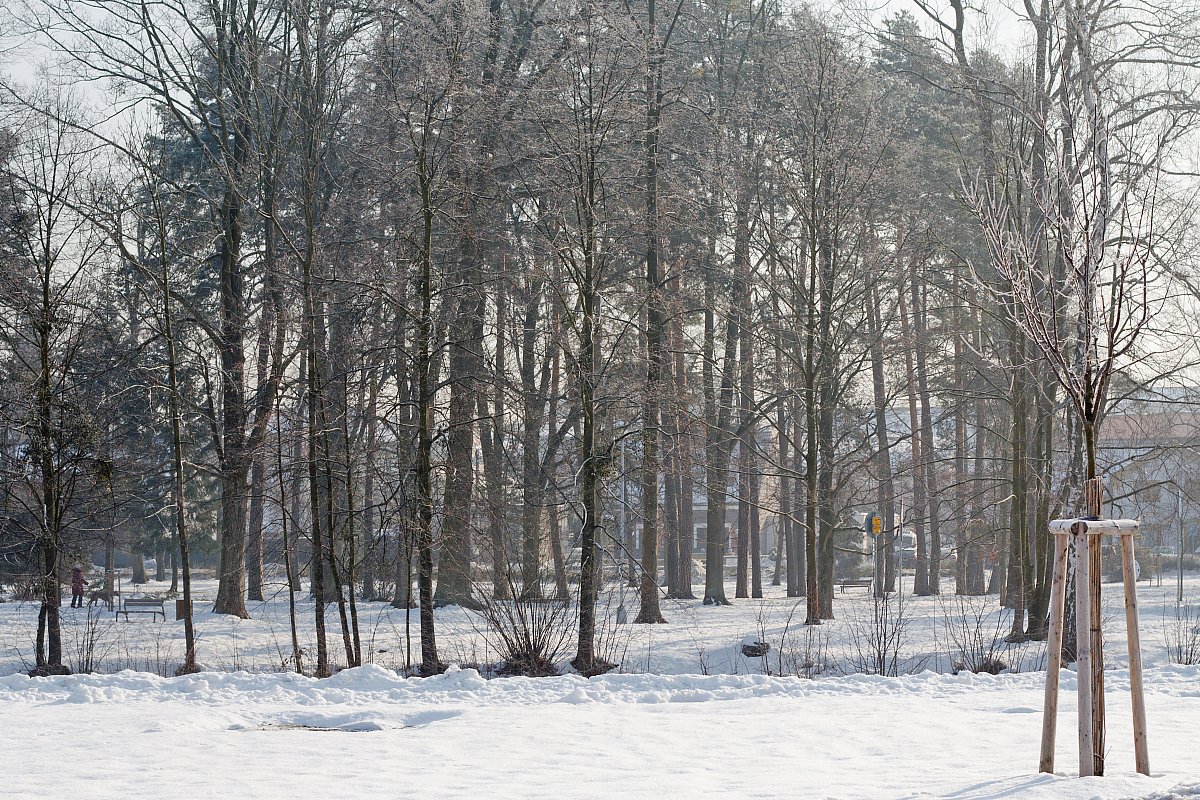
x=369, y=733
x=661, y=729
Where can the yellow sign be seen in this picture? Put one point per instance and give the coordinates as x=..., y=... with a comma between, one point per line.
x=876, y=524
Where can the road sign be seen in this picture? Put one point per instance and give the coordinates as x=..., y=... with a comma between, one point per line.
x=876, y=524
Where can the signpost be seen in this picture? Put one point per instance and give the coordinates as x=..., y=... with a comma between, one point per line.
x=874, y=527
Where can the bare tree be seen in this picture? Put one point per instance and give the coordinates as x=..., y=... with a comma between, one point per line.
x=46, y=284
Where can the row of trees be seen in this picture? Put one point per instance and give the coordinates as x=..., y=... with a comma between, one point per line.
x=400, y=293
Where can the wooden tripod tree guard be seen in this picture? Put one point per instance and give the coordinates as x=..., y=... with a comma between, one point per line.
x=1087, y=533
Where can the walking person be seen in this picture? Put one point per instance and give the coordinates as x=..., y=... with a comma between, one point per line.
x=77, y=584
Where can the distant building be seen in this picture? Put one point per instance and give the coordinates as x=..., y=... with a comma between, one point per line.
x=1149, y=450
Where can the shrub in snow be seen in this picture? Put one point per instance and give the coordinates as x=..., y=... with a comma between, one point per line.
x=877, y=637
x=530, y=634
x=803, y=649
x=974, y=629
x=1181, y=631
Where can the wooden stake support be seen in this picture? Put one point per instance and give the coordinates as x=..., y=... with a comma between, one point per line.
x=1086, y=535
x=1058, y=597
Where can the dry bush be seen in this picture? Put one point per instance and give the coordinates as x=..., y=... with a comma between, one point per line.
x=530, y=635
x=89, y=640
x=877, y=639
x=803, y=651
x=1028, y=656
x=1181, y=633
x=975, y=634
x=613, y=631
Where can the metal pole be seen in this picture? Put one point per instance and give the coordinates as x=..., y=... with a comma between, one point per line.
x=621, y=515
x=1179, y=554
x=878, y=571
x=876, y=536
x=900, y=562
x=625, y=541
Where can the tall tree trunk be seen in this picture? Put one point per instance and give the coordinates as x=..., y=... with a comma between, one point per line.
x=370, y=535
x=50, y=483
x=979, y=544
x=491, y=435
x=756, y=587
x=549, y=476
x=254, y=541
x=718, y=442
x=920, y=291
x=426, y=381
x=749, y=553
x=402, y=596
x=827, y=519
x=1017, y=578
x=1041, y=539
x=532, y=480
x=885, y=542
x=961, y=485
x=812, y=494
x=682, y=438
x=920, y=506
x=313, y=438
x=234, y=459
x=299, y=470
x=454, y=563
x=138, y=562
x=671, y=506
x=798, y=561
x=258, y=475
x=177, y=465
x=783, y=526
x=742, y=569
x=656, y=324
x=586, y=660
x=491, y=438
x=741, y=295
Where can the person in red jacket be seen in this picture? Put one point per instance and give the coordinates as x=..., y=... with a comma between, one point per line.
x=77, y=584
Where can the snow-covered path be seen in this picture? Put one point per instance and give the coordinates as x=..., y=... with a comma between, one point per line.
x=369, y=733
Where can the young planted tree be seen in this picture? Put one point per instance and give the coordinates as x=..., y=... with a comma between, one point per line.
x=1101, y=215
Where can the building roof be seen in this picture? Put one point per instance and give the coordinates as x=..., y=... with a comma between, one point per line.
x=1153, y=428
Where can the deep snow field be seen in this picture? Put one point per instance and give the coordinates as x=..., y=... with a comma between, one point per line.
x=688, y=716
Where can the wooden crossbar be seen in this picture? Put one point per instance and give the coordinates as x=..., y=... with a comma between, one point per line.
x=1095, y=527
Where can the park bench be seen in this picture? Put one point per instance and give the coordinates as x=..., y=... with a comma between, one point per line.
x=142, y=605
x=864, y=582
